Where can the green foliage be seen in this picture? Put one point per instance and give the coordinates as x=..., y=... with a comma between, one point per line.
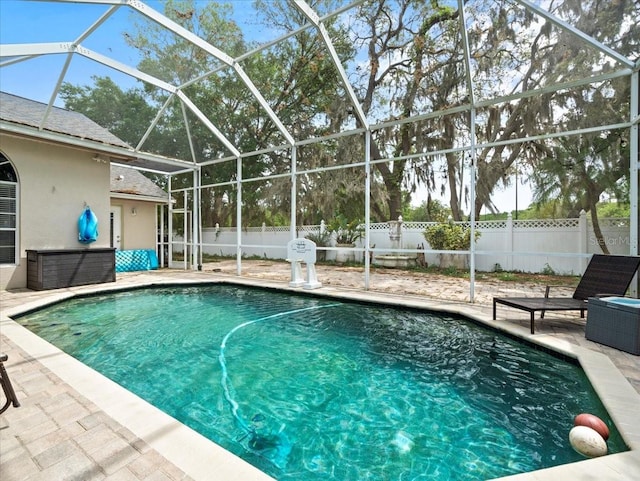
x=451, y=271
x=449, y=236
x=125, y=114
x=277, y=218
x=580, y=169
x=614, y=209
x=429, y=211
x=507, y=276
x=551, y=210
x=320, y=238
x=548, y=270
x=347, y=232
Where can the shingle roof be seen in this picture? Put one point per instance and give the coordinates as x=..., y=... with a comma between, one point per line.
x=131, y=181
x=29, y=112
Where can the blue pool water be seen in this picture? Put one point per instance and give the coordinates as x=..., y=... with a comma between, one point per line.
x=307, y=388
x=624, y=301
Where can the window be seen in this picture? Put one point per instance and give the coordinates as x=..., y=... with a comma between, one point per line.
x=8, y=211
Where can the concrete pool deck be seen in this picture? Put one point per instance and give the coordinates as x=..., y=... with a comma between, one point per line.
x=75, y=424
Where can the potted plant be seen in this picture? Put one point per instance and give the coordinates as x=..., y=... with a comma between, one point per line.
x=321, y=238
x=347, y=233
x=448, y=236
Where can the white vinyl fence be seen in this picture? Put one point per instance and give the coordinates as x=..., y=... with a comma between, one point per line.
x=559, y=245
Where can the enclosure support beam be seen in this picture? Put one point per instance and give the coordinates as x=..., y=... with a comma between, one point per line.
x=196, y=256
x=215, y=52
x=367, y=207
x=634, y=148
x=155, y=121
x=170, y=224
x=56, y=89
x=294, y=192
x=313, y=17
x=239, y=216
x=544, y=13
x=185, y=230
x=472, y=148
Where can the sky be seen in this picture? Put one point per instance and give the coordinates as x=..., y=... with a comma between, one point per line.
x=29, y=22
x=506, y=200
x=24, y=21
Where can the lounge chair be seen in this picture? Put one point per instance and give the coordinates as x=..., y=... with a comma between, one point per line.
x=605, y=276
x=7, y=387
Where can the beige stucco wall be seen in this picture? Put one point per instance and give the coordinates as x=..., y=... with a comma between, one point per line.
x=55, y=184
x=138, y=232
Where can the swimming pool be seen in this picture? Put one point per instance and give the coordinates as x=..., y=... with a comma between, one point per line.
x=347, y=391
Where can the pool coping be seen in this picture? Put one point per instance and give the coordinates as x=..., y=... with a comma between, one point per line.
x=194, y=454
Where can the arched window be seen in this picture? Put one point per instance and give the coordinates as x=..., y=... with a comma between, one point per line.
x=8, y=211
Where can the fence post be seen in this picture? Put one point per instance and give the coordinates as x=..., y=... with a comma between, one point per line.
x=509, y=243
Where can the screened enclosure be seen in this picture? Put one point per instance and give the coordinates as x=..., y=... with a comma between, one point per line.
x=271, y=120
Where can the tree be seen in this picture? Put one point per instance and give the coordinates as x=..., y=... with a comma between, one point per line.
x=575, y=171
x=305, y=90
x=402, y=69
x=126, y=114
x=580, y=171
x=556, y=56
x=414, y=67
x=431, y=210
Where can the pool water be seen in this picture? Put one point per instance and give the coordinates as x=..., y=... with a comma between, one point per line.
x=308, y=388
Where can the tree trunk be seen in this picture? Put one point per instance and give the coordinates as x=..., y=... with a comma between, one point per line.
x=597, y=231
x=452, y=167
x=395, y=203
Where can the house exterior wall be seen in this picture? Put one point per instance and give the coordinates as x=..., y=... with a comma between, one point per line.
x=138, y=231
x=56, y=183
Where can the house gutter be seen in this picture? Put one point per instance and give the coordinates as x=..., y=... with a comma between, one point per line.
x=139, y=197
x=121, y=154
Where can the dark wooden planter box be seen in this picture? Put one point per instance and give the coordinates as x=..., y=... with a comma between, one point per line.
x=54, y=269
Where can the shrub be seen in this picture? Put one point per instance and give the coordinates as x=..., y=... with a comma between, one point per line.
x=346, y=232
x=321, y=239
x=548, y=270
x=449, y=237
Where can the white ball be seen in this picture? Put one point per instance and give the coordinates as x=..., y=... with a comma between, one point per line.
x=587, y=441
